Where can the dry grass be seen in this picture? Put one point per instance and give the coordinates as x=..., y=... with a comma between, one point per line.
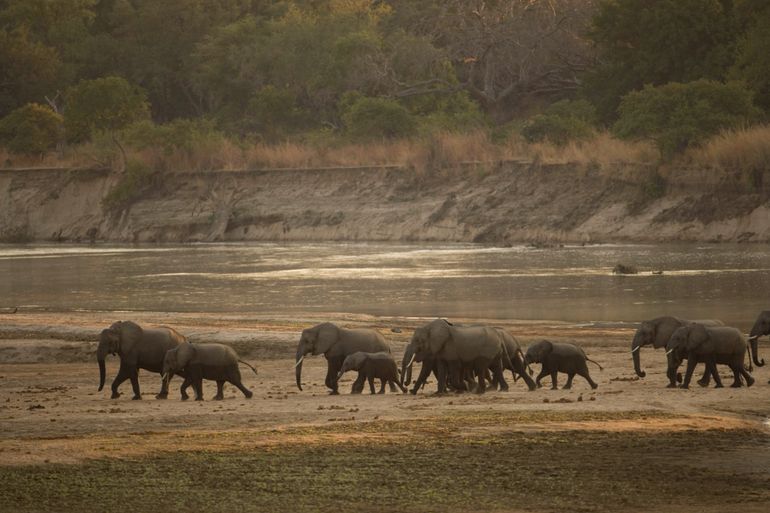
x=439, y=151
x=735, y=150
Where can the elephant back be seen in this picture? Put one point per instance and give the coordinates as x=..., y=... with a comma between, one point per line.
x=215, y=355
x=365, y=340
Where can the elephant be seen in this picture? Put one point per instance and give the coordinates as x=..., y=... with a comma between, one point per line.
x=380, y=365
x=477, y=347
x=216, y=362
x=656, y=332
x=515, y=358
x=712, y=345
x=429, y=364
x=761, y=327
x=560, y=357
x=137, y=348
x=336, y=344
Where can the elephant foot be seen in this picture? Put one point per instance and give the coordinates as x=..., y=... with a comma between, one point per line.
x=413, y=391
x=594, y=386
x=532, y=389
x=162, y=396
x=199, y=398
x=185, y=397
x=671, y=385
x=749, y=381
x=719, y=385
x=218, y=397
x=249, y=394
x=567, y=387
x=355, y=391
x=334, y=392
x=736, y=384
x=137, y=397
x=703, y=383
x=115, y=395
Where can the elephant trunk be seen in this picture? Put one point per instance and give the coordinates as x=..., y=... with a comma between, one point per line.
x=298, y=367
x=754, y=347
x=635, y=347
x=101, y=354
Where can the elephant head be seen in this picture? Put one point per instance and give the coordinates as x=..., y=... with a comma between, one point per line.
x=761, y=327
x=353, y=362
x=432, y=337
x=177, y=359
x=656, y=333
x=316, y=340
x=410, y=356
x=538, y=352
x=120, y=339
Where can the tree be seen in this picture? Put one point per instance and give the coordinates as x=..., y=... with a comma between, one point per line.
x=32, y=129
x=104, y=104
x=655, y=42
x=561, y=122
x=376, y=118
x=752, y=63
x=675, y=116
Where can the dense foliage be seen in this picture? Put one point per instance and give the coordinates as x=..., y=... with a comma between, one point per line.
x=272, y=70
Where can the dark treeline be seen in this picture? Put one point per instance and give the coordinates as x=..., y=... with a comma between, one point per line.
x=279, y=69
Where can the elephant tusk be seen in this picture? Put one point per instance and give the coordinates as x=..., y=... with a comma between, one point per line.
x=300, y=361
x=754, y=337
x=635, y=349
x=164, y=377
x=670, y=351
x=411, y=361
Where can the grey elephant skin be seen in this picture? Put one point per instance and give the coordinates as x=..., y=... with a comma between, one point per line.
x=336, y=344
x=560, y=357
x=711, y=345
x=516, y=362
x=760, y=328
x=371, y=366
x=479, y=348
x=656, y=332
x=137, y=348
x=216, y=362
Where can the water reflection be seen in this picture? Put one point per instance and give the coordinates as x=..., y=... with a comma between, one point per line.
x=461, y=280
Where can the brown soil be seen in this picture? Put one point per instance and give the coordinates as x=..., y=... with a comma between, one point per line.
x=51, y=415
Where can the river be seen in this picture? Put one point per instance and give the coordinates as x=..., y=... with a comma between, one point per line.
x=572, y=283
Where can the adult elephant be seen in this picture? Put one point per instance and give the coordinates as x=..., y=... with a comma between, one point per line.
x=711, y=345
x=479, y=347
x=336, y=344
x=515, y=361
x=657, y=332
x=761, y=327
x=137, y=348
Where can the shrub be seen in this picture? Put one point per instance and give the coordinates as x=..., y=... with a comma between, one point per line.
x=562, y=122
x=32, y=129
x=136, y=179
x=675, y=116
x=371, y=118
x=179, y=135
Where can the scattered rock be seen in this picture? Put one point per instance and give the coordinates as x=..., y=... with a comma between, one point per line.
x=564, y=400
x=36, y=407
x=546, y=400
x=624, y=269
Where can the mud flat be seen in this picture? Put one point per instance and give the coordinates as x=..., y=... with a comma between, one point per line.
x=630, y=445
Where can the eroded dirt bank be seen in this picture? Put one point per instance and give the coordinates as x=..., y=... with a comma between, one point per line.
x=492, y=203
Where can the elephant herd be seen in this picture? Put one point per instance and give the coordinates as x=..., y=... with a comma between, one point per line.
x=460, y=357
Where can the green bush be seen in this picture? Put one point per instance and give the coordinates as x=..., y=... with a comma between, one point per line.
x=561, y=122
x=32, y=129
x=134, y=181
x=370, y=118
x=675, y=116
x=179, y=135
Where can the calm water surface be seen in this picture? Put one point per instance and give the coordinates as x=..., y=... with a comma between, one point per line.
x=731, y=282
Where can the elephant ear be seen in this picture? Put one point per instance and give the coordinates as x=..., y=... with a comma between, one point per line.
x=185, y=353
x=663, y=329
x=546, y=348
x=130, y=334
x=328, y=334
x=697, y=336
x=438, y=335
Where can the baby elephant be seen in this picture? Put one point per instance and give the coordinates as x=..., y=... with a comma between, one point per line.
x=370, y=366
x=559, y=357
x=216, y=362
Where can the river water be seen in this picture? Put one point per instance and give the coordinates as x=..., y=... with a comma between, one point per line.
x=573, y=283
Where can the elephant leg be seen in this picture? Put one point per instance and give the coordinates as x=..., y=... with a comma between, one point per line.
x=691, y=363
x=743, y=372
x=399, y=385
x=358, y=384
x=382, y=385
x=334, y=366
x=195, y=375
x=736, y=377
x=554, y=374
x=518, y=366
x=427, y=368
x=183, y=389
x=568, y=385
x=163, y=394
x=587, y=377
x=134, y=377
x=442, y=375
x=481, y=382
x=498, y=376
x=235, y=379
x=706, y=378
x=220, y=389
x=123, y=374
x=672, y=377
x=711, y=371
x=370, y=379
x=543, y=373
x=393, y=388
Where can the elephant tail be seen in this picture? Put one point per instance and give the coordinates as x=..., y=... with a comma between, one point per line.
x=249, y=366
x=595, y=363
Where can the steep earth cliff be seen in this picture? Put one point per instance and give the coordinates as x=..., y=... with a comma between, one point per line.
x=491, y=203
